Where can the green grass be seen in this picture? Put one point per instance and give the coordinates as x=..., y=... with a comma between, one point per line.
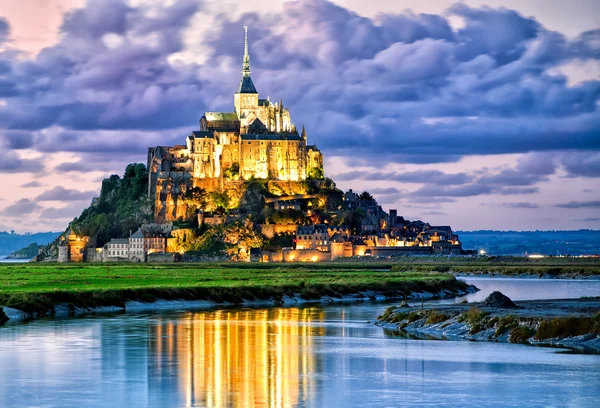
x=38, y=287
x=473, y=316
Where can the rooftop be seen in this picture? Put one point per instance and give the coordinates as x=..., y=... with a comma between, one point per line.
x=246, y=86
x=221, y=116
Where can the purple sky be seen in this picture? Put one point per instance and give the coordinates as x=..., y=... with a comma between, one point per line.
x=466, y=114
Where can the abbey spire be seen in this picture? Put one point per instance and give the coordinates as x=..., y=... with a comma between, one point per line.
x=246, y=84
x=246, y=63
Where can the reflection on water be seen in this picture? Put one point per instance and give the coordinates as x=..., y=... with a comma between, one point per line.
x=280, y=357
x=236, y=358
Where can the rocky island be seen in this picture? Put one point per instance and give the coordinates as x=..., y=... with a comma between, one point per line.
x=570, y=323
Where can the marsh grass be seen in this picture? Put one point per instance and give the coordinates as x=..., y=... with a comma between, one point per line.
x=568, y=327
x=435, y=316
x=473, y=315
x=521, y=334
x=38, y=287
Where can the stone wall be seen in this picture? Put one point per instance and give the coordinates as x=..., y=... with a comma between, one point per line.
x=163, y=257
x=269, y=230
x=305, y=255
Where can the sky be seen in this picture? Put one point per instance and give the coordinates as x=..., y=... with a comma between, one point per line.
x=474, y=114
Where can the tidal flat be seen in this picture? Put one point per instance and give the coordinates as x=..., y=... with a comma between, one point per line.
x=570, y=323
x=42, y=289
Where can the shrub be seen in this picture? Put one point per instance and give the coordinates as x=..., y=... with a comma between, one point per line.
x=435, y=316
x=476, y=328
x=473, y=315
x=398, y=317
x=506, y=323
x=520, y=334
x=568, y=327
x=413, y=316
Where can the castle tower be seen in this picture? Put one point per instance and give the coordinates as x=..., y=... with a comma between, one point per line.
x=245, y=99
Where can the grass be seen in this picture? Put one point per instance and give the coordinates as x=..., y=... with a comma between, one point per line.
x=473, y=316
x=568, y=327
x=435, y=316
x=505, y=265
x=38, y=287
x=520, y=334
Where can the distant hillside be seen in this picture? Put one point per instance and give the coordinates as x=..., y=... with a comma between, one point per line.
x=577, y=242
x=11, y=242
x=25, y=253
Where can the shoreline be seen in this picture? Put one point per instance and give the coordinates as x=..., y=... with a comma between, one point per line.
x=150, y=300
x=532, y=276
x=563, y=323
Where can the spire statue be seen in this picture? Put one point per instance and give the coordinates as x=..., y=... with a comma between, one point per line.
x=246, y=64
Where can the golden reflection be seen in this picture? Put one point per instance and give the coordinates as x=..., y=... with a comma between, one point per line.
x=240, y=358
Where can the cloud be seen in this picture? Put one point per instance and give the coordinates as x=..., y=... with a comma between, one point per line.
x=384, y=191
x=434, y=213
x=433, y=95
x=419, y=176
x=11, y=163
x=62, y=194
x=581, y=164
x=32, y=184
x=21, y=207
x=399, y=88
x=520, y=205
x=4, y=30
x=579, y=204
x=589, y=219
x=67, y=212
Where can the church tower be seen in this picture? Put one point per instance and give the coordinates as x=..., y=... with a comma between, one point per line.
x=245, y=99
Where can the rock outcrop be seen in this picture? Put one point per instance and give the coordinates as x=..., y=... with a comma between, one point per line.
x=499, y=300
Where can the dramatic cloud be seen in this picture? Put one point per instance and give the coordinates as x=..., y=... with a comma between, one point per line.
x=11, y=163
x=64, y=194
x=582, y=164
x=63, y=213
x=580, y=204
x=23, y=207
x=401, y=88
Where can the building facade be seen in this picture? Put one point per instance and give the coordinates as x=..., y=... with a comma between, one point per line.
x=256, y=141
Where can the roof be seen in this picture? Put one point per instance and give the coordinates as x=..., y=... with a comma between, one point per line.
x=118, y=241
x=337, y=237
x=200, y=134
x=246, y=86
x=272, y=136
x=264, y=102
x=220, y=116
x=137, y=234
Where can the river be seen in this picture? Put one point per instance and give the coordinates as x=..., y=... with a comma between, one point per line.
x=324, y=356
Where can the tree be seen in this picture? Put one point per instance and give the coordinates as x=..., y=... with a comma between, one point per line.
x=315, y=174
x=194, y=199
x=220, y=200
x=365, y=196
x=232, y=172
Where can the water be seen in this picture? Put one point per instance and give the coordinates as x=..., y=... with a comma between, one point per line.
x=279, y=357
x=530, y=289
x=4, y=260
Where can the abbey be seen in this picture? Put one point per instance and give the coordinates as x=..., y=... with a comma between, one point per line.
x=256, y=141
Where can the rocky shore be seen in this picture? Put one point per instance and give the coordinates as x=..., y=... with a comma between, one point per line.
x=141, y=302
x=569, y=323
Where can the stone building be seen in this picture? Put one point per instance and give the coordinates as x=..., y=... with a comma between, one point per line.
x=116, y=249
x=257, y=140
x=73, y=248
